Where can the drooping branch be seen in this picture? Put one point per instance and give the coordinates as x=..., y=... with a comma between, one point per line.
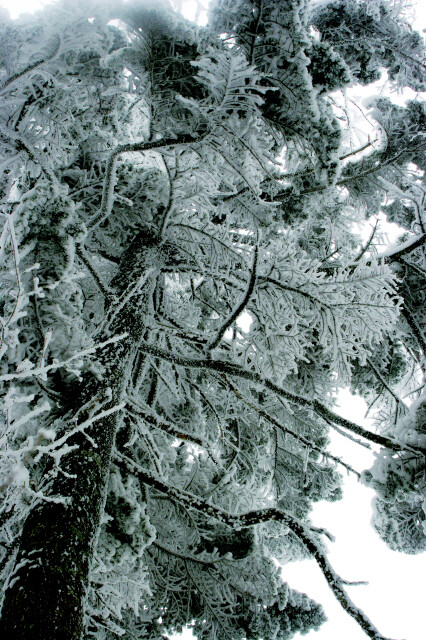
x=85, y=260
x=365, y=247
x=251, y=518
x=380, y=378
x=162, y=424
x=32, y=66
x=417, y=332
x=184, y=556
x=42, y=370
x=362, y=174
x=407, y=247
x=302, y=401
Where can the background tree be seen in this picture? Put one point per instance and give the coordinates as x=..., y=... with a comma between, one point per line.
x=160, y=181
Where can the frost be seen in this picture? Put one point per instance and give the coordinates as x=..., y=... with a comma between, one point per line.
x=182, y=295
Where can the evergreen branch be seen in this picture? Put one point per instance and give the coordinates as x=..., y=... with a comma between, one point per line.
x=301, y=401
x=32, y=66
x=184, y=556
x=417, y=332
x=348, y=435
x=239, y=308
x=305, y=294
x=368, y=243
x=255, y=517
x=165, y=214
x=167, y=427
x=382, y=381
x=362, y=174
x=299, y=174
x=40, y=371
x=308, y=443
x=109, y=180
x=407, y=248
x=106, y=292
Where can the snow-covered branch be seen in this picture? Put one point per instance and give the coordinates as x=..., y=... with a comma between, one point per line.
x=252, y=518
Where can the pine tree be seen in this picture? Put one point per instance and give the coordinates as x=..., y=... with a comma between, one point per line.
x=160, y=182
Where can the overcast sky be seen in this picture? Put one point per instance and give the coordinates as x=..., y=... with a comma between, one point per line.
x=395, y=596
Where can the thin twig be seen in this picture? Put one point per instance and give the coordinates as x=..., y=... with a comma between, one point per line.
x=239, y=308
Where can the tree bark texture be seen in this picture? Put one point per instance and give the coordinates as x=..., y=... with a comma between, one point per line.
x=46, y=595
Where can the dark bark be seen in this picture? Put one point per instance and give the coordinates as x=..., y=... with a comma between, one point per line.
x=46, y=596
x=45, y=599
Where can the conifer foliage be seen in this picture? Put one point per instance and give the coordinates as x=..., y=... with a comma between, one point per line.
x=182, y=293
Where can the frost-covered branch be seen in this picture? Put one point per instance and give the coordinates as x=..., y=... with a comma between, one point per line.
x=111, y=165
x=251, y=518
x=411, y=245
x=302, y=401
x=238, y=309
x=184, y=556
x=412, y=323
x=164, y=425
x=380, y=378
x=308, y=443
x=41, y=371
x=32, y=66
x=106, y=292
x=368, y=243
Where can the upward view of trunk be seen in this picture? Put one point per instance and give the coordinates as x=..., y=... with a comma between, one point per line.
x=47, y=591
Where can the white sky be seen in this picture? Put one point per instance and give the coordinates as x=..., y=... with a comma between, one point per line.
x=395, y=596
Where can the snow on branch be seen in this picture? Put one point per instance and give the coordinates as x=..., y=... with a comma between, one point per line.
x=55, y=50
x=238, y=309
x=251, y=518
x=31, y=371
x=302, y=401
x=111, y=165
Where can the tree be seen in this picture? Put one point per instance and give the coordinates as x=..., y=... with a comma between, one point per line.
x=160, y=182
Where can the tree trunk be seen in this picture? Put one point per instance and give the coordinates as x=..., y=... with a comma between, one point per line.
x=46, y=593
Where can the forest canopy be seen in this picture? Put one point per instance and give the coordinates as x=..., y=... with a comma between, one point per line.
x=184, y=291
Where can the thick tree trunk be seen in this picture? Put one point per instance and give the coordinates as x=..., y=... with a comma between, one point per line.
x=46, y=593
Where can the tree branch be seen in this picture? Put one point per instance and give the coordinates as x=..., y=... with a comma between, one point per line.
x=238, y=309
x=308, y=443
x=252, y=518
x=85, y=260
x=31, y=67
x=162, y=425
x=302, y=401
x=380, y=378
x=417, y=332
x=368, y=243
x=109, y=181
x=406, y=248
